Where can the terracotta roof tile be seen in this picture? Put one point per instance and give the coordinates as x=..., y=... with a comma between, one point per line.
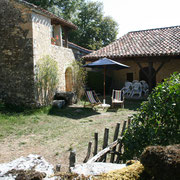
x=80, y=47
x=152, y=42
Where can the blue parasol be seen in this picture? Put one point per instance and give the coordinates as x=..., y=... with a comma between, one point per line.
x=106, y=63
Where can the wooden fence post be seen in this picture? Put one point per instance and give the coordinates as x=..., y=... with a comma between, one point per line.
x=129, y=120
x=95, y=144
x=116, y=132
x=117, y=144
x=120, y=144
x=58, y=167
x=105, y=144
x=72, y=159
x=88, y=152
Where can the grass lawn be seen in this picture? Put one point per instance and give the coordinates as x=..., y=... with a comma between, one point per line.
x=52, y=133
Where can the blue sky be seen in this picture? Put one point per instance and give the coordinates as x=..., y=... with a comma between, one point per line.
x=133, y=15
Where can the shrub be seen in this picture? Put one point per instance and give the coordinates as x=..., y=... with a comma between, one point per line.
x=46, y=75
x=157, y=123
x=79, y=76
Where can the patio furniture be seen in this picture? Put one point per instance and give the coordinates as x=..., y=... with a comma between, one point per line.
x=92, y=98
x=105, y=63
x=135, y=81
x=145, y=87
x=136, y=89
x=117, y=98
x=127, y=88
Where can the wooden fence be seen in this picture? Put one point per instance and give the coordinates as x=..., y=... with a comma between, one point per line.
x=110, y=152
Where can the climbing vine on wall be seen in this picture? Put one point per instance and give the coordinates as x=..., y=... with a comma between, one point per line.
x=79, y=76
x=47, y=78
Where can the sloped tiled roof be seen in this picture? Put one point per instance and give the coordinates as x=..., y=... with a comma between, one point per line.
x=49, y=14
x=152, y=42
x=73, y=45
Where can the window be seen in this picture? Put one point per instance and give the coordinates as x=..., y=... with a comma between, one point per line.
x=129, y=77
x=53, y=38
x=52, y=31
x=55, y=35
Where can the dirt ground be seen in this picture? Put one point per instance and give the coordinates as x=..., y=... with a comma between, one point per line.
x=54, y=135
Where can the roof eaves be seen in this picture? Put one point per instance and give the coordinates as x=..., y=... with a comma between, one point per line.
x=132, y=56
x=46, y=13
x=79, y=47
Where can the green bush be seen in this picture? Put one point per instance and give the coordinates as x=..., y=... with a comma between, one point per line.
x=158, y=122
x=79, y=75
x=47, y=78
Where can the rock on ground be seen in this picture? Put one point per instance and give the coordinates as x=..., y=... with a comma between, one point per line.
x=162, y=162
x=32, y=166
x=96, y=168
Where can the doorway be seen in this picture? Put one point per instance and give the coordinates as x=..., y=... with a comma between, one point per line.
x=69, y=80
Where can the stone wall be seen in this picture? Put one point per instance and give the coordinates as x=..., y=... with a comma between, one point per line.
x=42, y=46
x=25, y=37
x=65, y=58
x=120, y=76
x=16, y=53
x=172, y=66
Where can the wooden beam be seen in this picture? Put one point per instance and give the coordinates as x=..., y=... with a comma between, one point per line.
x=104, y=151
x=150, y=67
x=65, y=37
x=141, y=68
x=159, y=68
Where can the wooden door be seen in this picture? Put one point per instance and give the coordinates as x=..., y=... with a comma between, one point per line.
x=69, y=81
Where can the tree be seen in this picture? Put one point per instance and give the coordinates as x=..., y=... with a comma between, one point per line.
x=109, y=30
x=94, y=30
x=42, y=3
x=66, y=9
x=158, y=120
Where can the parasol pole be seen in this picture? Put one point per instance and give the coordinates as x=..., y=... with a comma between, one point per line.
x=104, y=100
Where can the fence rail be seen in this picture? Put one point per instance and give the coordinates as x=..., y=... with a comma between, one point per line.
x=110, y=152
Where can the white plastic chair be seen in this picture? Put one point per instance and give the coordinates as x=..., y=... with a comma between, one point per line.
x=127, y=88
x=135, y=81
x=136, y=89
x=145, y=87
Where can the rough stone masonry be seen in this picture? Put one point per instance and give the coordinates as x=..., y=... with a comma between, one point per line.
x=16, y=53
x=25, y=37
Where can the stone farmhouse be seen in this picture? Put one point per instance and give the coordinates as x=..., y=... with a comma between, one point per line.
x=26, y=35
x=152, y=55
